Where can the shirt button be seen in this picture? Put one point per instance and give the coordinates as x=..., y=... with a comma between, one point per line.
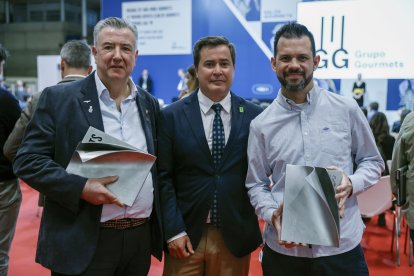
x=305, y=133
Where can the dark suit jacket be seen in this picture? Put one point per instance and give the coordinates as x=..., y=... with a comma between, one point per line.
x=149, y=83
x=188, y=178
x=70, y=226
x=9, y=113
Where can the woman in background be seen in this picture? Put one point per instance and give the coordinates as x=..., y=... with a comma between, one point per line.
x=385, y=143
x=192, y=82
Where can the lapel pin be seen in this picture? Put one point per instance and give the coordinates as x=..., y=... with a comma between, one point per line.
x=146, y=111
x=90, y=109
x=87, y=101
x=241, y=109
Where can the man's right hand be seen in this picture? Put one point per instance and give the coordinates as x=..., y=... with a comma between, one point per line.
x=96, y=193
x=181, y=248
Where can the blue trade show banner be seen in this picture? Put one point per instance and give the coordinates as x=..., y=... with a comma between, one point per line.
x=168, y=30
x=346, y=37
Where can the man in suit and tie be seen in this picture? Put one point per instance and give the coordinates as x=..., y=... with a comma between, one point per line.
x=75, y=64
x=209, y=225
x=85, y=229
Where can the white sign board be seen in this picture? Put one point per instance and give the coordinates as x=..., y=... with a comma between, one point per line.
x=278, y=10
x=48, y=71
x=164, y=27
x=371, y=37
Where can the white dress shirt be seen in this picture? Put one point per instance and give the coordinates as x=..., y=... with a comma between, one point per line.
x=125, y=125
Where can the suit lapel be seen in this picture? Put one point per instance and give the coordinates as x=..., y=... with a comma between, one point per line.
x=90, y=103
x=237, y=117
x=144, y=110
x=193, y=115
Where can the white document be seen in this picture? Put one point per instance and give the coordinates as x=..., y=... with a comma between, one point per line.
x=100, y=155
x=310, y=210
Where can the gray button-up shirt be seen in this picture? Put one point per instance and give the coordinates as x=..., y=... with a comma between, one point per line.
x=327, y=130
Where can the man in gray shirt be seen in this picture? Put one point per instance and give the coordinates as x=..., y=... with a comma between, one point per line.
x=295, y=129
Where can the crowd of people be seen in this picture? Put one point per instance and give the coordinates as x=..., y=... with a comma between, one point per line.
x=221, y=162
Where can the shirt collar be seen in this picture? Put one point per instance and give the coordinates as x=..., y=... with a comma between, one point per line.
x=74, y=76
x=206, y=103
x=290, y=104
x=100, y=87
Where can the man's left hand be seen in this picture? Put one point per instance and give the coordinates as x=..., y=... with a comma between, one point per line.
x=343, y=191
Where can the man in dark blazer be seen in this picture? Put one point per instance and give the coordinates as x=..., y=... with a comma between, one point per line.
x=145, y=81
x=75, y=64
x=85, y=229
x=195, y=183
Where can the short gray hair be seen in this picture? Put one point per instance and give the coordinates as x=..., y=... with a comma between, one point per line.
x=114, y=22
x=76, y=54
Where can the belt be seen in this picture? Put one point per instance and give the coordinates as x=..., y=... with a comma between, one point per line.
x=125, y=223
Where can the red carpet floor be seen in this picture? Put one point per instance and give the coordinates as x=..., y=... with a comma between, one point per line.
x=376, y=244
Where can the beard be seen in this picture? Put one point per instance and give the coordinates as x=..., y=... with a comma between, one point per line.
x=289, y=87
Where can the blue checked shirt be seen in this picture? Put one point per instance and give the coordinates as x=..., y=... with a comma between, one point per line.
x=327, y=130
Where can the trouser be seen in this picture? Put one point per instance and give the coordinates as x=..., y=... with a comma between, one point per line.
x=211, y=258
x=121, y=253
x=351, y=263
x=10, y=200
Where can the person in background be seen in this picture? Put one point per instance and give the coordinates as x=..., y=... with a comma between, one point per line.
x=397, y=125
x=385, y=143
x=182, y=83
x=365, y=111
x=21, y=93
x=192, y=82
x=372, y=110
x=85, y=229
x=300, y=110
x=209, y=225
x=75, y=64
x=145, y=81
x=10, y=194
x=359, y=90
x=3, y=83
x=403, y=155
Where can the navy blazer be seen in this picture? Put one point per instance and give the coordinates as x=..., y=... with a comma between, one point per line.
x=70, y=226
x=187, y=175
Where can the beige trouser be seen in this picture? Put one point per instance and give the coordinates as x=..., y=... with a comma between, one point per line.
x=211, y=258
